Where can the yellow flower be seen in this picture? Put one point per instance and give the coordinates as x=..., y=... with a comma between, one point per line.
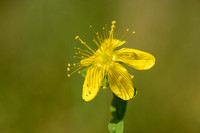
x=105, y=63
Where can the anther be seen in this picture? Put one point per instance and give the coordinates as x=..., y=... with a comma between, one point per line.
x=79, y=72
x=69, y=65
x=68, y=69
x=68, y=75
x=74, y=64
x=132, y=76
x=113, y=22
x=76, y=37
x=104, y=87
x=127, y=29
x=133, y=32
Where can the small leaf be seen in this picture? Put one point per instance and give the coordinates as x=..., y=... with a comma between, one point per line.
x=116, y=127
x=83, y=73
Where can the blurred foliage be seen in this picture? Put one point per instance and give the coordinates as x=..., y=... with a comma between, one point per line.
x=37, y=42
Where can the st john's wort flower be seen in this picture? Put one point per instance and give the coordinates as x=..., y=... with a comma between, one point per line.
x=105, y=63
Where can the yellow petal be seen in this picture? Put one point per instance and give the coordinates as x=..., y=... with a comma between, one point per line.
x=92, y=82
x=135, y=58
x=120, y=81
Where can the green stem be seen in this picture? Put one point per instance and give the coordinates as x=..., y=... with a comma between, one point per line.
x=118, y=109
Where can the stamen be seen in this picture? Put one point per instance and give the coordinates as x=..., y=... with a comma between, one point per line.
x=99, y=39
x=96, y=33
x=85, y=51
x=129, y=35
x=75, y=71
x=83, y=70
x=82, y=53
x=124, y=34
x=106, y=30
x=69, y=65
x=112, y=29
x=95, y=41
x=93, y=29
x=84, y=43
x=104, y=34
x=74, y=67
x=75, y=64
x=82, y=57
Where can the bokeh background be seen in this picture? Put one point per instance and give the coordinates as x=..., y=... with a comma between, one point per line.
x=37, y=42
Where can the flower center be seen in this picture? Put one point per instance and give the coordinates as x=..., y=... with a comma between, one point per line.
x=105, y=57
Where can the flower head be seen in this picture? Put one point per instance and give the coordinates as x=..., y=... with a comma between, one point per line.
x=105, y=63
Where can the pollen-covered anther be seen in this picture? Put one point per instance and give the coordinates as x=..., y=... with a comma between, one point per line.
x=74, y=64
x=79, y=72
x=132, y=76
x=69, y=65
x=113, y=22
x=76, y=37
x=68, y=75
x=133, y=32
x=127, y=29
x=68, y=69
x=104, y=87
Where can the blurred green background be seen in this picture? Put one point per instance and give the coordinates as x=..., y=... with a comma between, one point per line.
x=36, y=44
